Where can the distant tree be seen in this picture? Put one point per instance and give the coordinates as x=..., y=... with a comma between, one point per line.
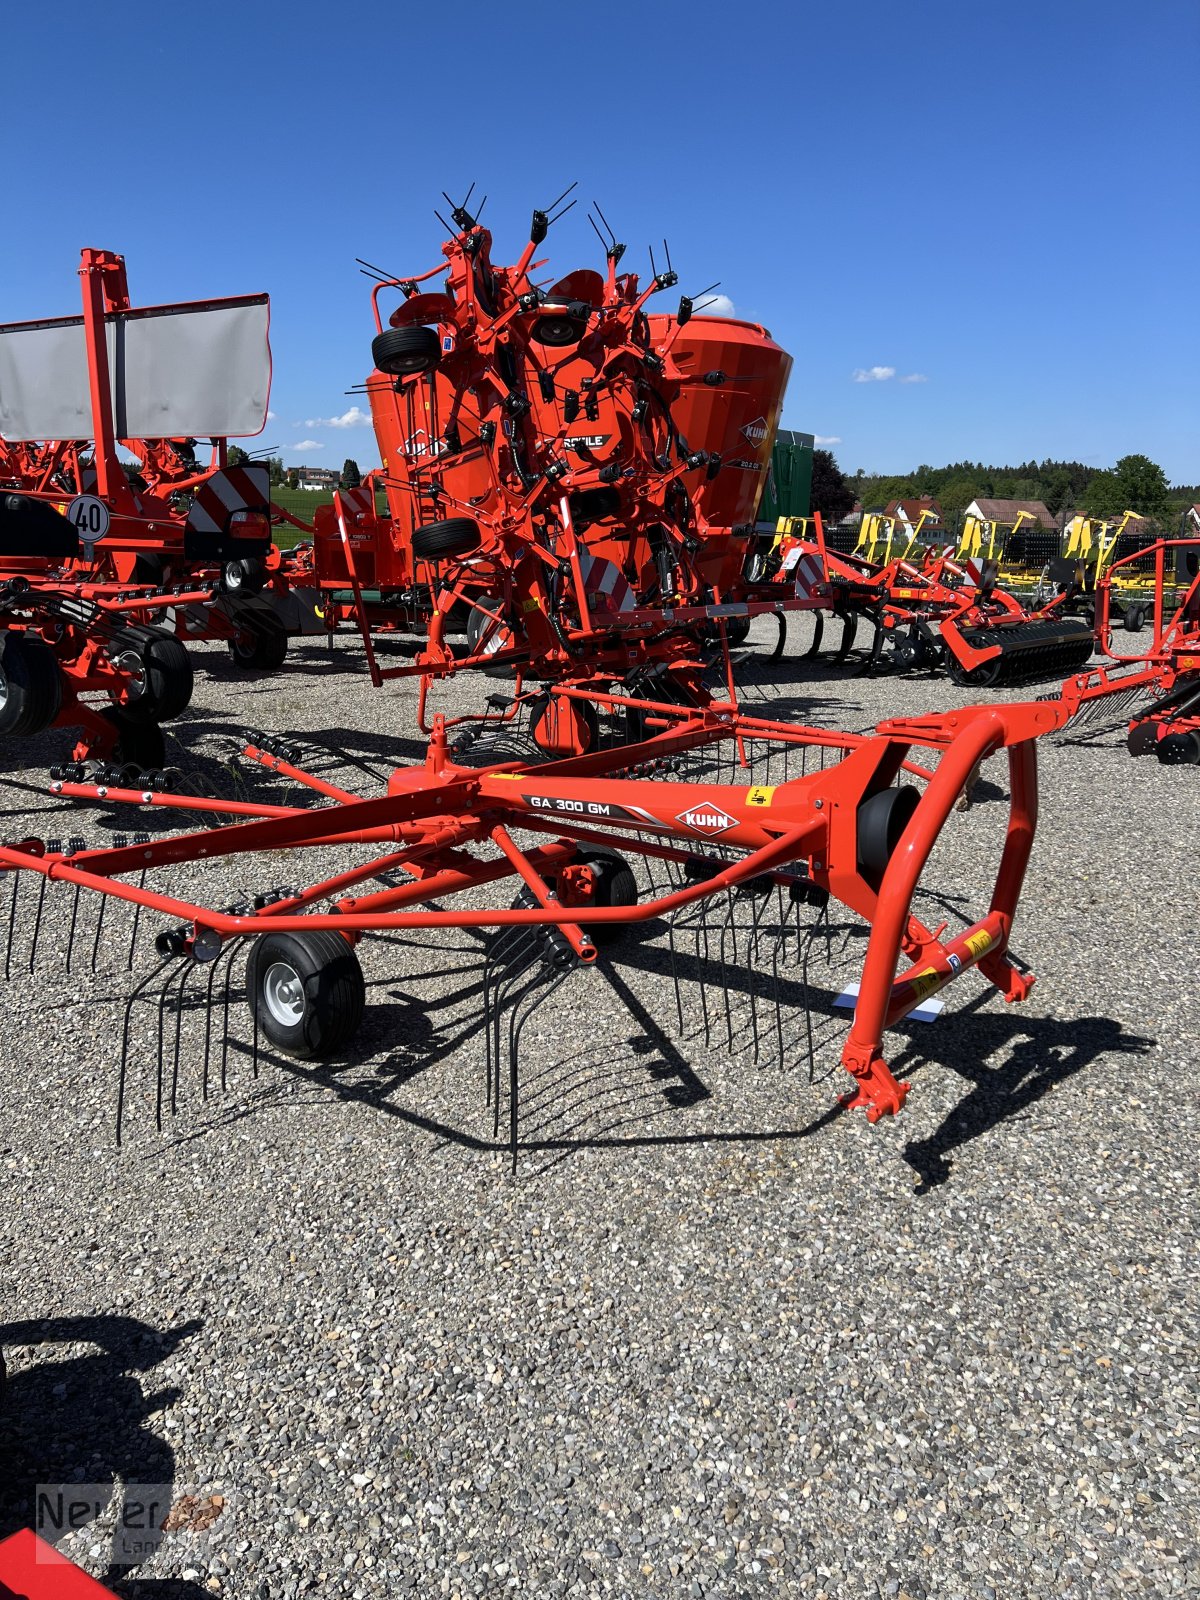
x=832, y=496
x=275, y=466
x=1144, y=484
x=1105, y=496
x=237, y=457
x=351, y=476
x=293, y=478
x=956, y=494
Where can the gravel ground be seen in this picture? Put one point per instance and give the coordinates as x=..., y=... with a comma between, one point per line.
x=712, y=1338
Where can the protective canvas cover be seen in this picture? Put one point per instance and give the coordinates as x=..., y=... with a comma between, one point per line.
x=185, y=371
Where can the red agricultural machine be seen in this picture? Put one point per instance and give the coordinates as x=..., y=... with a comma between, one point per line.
x=105, y=571
x=1154, y=690
x=728, y=829
x=928, y=613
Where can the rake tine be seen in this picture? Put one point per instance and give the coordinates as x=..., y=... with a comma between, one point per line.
x=726, y=926
x=504, y=988
x=162, y=1011
x=12, y=924
x=225, y=1022
x=129, y=1005
x=208, y=1000
x=515, y=1029
x=37, y=927
x=493, y=956
x=99, y=930
x=137, y=917
x=74, y=920
x=188, y=968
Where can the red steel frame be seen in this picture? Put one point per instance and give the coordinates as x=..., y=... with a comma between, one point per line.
x=433, y=818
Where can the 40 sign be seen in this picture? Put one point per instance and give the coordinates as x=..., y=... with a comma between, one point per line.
x=88, y=515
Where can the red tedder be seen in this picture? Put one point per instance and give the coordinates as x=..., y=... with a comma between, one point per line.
x=553, y=491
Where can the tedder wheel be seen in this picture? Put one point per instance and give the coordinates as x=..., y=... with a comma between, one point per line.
x=139, y=744
x=306, y=991
x=1134, y=619
x=405, y=352
x=244, y=576
x=614, y=885
x=261, y=642
x=562, y=726
x=737, y=630
x=1179, y=750
x=881, y=820
x=30, y=684
x=150, y=569
x=161, y=668
x=456, y=536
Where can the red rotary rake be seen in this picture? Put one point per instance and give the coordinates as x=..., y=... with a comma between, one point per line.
x=735, y=825
x=1155, y=692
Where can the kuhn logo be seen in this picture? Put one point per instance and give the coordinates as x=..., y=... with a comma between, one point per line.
x=707, y=819
x=756, y=432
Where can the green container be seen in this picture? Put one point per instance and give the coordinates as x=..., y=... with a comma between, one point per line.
x=788, y=490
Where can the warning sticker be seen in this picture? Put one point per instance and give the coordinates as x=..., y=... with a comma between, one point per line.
x=759, y=795
x=925, y=982
x=980, y=943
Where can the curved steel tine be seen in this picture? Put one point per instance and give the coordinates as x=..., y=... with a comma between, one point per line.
x=516, y=1026
x=12, y=923
x=849, y=629
x=188, y=968
x=129, y=1005
x=99, y=930
x=137, y=917
x=37, y=927
x=814, y=649
x=74, y=921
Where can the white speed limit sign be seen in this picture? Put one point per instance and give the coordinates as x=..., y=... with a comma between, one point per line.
x=88, y=515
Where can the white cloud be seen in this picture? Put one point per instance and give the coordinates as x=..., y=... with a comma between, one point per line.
x=873, y=374
x=827, y=438
x=354, y=418
x=914, y=377
x=305, y=444
x=270, y=416
x=717, y=305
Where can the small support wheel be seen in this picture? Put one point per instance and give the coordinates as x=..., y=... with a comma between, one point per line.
x=440, y=541
x=406, y=352
x=245, y=576
x=306, y=991
x=160, y=673
x=613, y=884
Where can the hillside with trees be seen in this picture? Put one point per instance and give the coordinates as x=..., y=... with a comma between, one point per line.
x=1134, y=483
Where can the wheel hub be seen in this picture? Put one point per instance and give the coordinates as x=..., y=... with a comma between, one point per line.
x=283, y=993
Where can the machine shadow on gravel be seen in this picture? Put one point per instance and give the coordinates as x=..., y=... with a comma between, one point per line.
x=84, y=1418
x=1042, y=1054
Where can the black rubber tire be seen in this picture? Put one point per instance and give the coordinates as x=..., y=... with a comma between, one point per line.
x=406, y=352
x=881, y=820
x=333, y=995
x=558, y=325
x=590, y=505
x=984, y=677
x=169, y=679
x=477, y=623
x=139, y=744
x=261, y=645
x=615, y=886
x=1134, y=619
x=1179, y=750
x=30, y=684
x=737, y=630
x=437, y=541
x=245, y=576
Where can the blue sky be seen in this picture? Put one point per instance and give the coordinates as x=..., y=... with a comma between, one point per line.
x=995, y=202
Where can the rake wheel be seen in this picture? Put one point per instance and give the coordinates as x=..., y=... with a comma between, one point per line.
x=162, y=667
x=306, y=992
x=406, y=352
x=30, y=685
x=262, y=644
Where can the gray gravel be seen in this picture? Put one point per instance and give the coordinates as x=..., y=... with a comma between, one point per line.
x=711, y=1339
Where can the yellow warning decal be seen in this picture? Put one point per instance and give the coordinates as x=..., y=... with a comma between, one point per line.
x=507, y=777
x=925, y=982
x=760, y=795
x=980, y=943
x=531, y=605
